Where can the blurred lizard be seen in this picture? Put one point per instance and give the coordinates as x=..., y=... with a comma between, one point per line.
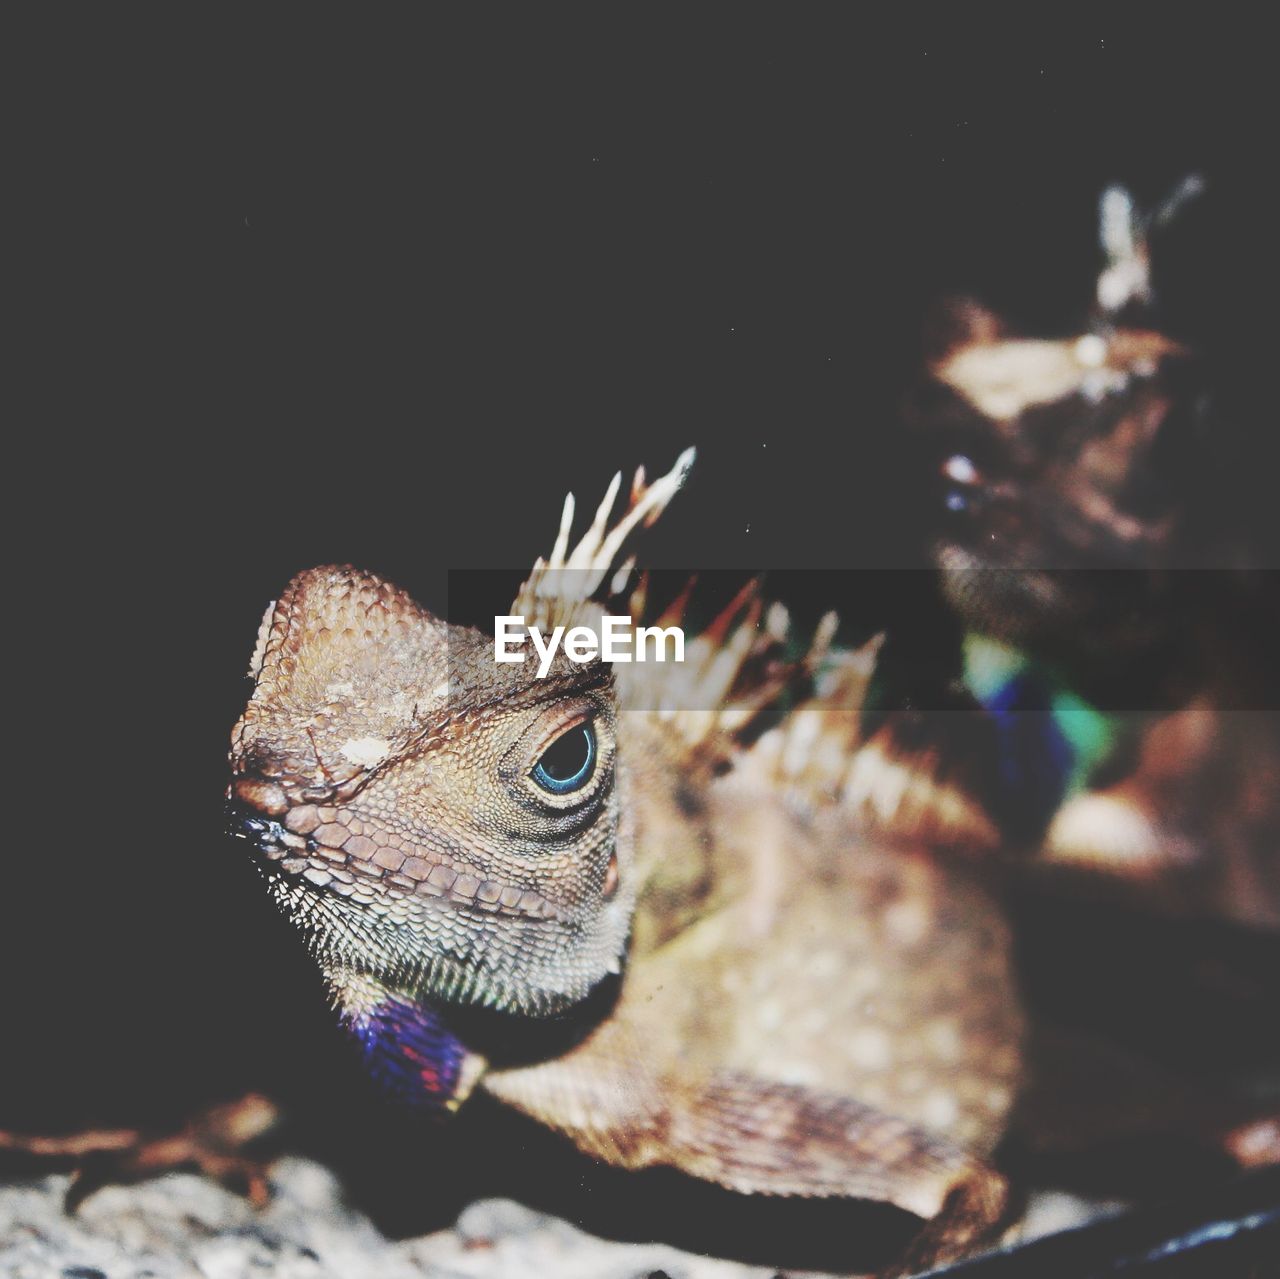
x=643, y=905
x=1135, y=698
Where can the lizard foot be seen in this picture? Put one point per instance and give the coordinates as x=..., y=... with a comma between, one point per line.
x=214, y=1142
x=970, y=1217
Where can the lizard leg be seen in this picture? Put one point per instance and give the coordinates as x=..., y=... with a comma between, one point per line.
x=975, y=1209
x=213, y=1141
x=754, y=1136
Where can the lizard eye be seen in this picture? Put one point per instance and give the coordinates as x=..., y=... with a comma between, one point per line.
x=959, y=469
x=567, y=764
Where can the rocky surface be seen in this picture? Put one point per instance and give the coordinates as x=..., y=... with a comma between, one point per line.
x=183, y=1226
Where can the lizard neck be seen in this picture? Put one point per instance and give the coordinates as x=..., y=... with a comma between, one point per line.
x=664, y=832
x=1051, y=740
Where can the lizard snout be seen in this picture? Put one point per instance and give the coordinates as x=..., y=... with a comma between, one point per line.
x=247, y=821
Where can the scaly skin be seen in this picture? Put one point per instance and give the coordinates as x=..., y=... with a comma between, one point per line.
x=700, y=957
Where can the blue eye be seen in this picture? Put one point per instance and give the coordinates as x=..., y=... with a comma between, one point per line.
x=567, y=764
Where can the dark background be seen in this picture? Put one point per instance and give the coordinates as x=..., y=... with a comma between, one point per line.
x=304, y=288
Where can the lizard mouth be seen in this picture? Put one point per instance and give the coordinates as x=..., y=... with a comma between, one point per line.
x=358, y=869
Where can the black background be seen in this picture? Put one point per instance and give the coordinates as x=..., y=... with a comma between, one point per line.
x=302, y=288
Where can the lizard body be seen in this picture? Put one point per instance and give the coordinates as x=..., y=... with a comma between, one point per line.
x=603, y=901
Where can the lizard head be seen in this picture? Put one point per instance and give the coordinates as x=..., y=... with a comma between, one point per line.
x=1057, y=460
x=425, y=814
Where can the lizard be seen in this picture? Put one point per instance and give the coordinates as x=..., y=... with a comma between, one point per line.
x=665, y=911
x=1071, y=468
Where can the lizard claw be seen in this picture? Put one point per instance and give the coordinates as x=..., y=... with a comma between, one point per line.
x=214, y=1142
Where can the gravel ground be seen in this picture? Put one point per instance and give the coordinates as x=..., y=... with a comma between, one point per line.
x=183, y=1226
